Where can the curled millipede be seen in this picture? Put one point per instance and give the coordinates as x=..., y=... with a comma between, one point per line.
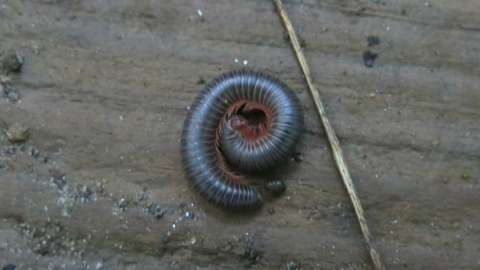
x=242, y=121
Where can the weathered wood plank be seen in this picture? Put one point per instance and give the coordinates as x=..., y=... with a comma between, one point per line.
x=104, y=91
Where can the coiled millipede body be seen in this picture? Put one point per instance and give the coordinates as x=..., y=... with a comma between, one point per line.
x=243, y=121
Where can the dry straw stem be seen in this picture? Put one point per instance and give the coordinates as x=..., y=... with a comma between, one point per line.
x=332, y=138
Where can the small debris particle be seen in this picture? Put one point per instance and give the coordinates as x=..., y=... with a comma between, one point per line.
x=303, y=43
x=189, y=215
x=12, y=61
x=34, y=152
x=9, y=267
x=201, y=80
x=66, y=201
x=9, y=91
x=142, y=196
x=59, y=181
x=369, y=58
x=250, y=250
x=373, y=41
x=293, y=266
x=245, y=62
x=17, y=133
x=122, y=203
x=276, y=186
x=235, y=60
x=99, y=188
x=199, y=12
x=99, y=265
x=85, y=194
x=271, y=210
x=187, y=108
x=155, y=210
x=298, y=157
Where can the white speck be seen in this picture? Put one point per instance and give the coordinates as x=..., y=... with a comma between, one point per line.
x=99, y=265
x=188, y=108
x=121, y=117
x=173, y=225
x=245, y=62
x=388, y=28
x=235, y=60
x=199, y=12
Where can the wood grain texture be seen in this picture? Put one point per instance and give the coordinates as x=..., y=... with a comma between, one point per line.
x=332, y=139
x=104, y=89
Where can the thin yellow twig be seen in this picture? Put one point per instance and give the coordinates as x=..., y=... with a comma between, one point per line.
x=332, y=138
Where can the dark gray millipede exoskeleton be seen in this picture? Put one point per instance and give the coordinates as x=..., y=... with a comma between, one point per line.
x=242, y=121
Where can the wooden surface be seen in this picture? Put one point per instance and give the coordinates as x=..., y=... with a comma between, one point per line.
x=104, y=91
x=331, y=135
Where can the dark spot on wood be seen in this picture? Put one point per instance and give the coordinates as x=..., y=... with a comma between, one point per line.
x=201, y=80
x=373, y=41
x=276, y=187
x=9, y=267
x=369, y=58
